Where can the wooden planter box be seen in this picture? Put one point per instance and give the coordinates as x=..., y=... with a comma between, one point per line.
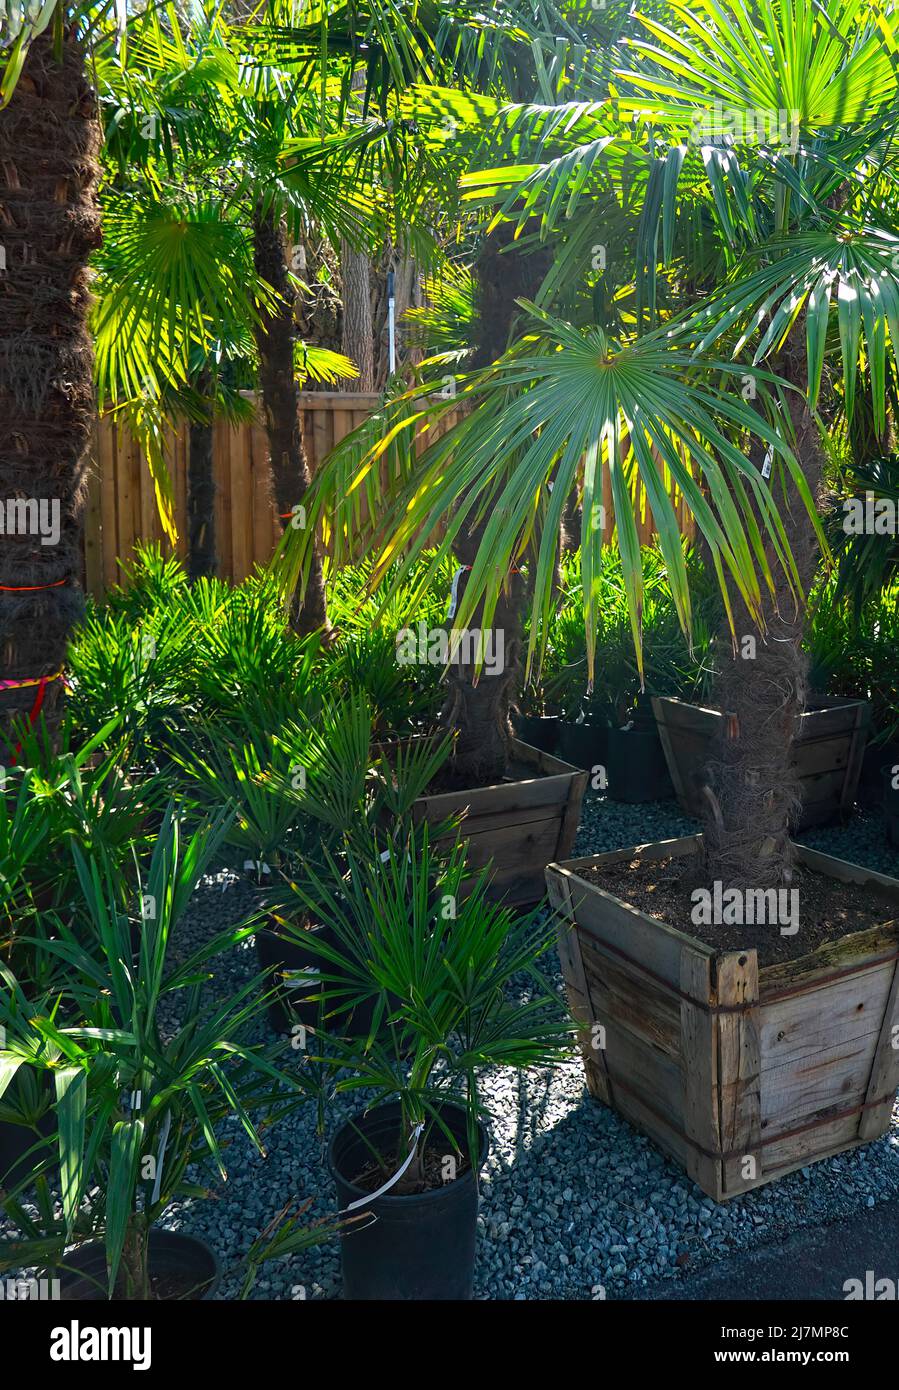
x=521, y=826
x=828, y=753
x=741, y=1074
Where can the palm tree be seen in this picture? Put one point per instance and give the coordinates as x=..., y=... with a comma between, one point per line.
x=275, y=339
x=199, y=132
x=802, y=201
x=49, y=170
x=494, y=63
x=243, y=119
x=739, y=161
x=565, y=401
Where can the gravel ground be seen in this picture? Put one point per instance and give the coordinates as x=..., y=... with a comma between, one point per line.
x=575, y=1203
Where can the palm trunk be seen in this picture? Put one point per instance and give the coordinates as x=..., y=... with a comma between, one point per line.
x=202, y=559
x=318, y=313
x=479, y=708
x=753, y=792
x=275, y=338
x=49, y=224
x=136, y=1261
x=358, y=332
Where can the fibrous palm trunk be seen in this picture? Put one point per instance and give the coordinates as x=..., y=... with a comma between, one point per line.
x=275, y=338
x=478, y=707
x=753, y=791
x=49, y=224
x=202, y=560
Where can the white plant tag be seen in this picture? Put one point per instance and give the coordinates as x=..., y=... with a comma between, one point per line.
x=385, y=1187
x=454, y=594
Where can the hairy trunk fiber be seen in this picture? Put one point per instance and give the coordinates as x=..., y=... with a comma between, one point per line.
x=49, y=224
x=275, y=338
x=202, y=559
x=478, y=708
x=753, y=794
x=318, y=312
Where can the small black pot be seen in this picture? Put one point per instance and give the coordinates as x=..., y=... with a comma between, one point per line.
x=584, y=745
x=870, y=783
x=539, y=730
x=891, y=804
x=185, y=1260
x=419, y=1247
x=277, y=953
x=15, y=1143
x=636, y=766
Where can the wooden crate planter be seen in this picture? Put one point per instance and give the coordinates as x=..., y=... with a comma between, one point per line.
x=521, y=826
x=828, y=753
x=741, y=1074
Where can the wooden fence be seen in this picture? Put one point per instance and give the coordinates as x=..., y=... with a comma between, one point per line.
x=121, y=506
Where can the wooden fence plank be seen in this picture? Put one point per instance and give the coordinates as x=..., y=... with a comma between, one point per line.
x=104, y=454
x=92, y=578
x=123, y=508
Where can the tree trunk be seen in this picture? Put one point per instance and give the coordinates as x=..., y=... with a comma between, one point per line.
x=49, y=224
x=479, y=708
x=275, y=338
x=202, y=562
x=136, y=1261
x=753, y=794
x=358, y=334
x=318, y=312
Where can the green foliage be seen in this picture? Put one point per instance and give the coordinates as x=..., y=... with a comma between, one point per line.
x=137, y=1099
x=672, y=666
x=364, y=654
x=856, y=652
x=452, y=977
x=351, y=785
x=867, y=561
x=170, y=661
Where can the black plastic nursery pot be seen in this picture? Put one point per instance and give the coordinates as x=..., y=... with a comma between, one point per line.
x=181, y=1267
x=539, y=730
x=419, y=1247
x=877, y=756
x=891, y=802
x=293, y=970
x=15, y=1143
x=584, y=745
x=636, y=766
x=278, y=954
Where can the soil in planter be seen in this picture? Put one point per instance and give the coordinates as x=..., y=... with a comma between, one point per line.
x=828, y=909
x=515, y=772
x=373, y=1175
